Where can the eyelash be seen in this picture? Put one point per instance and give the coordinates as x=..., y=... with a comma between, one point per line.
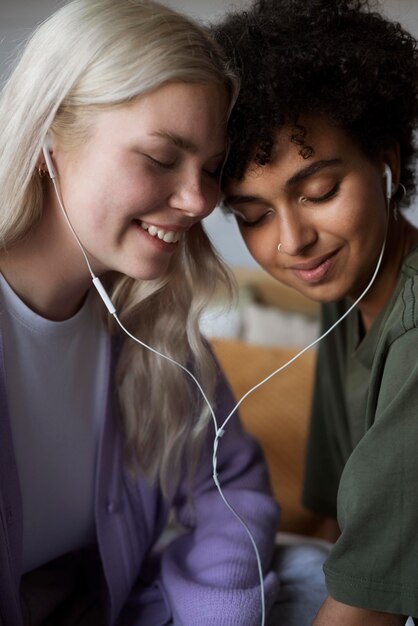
x=169, y=166
x=161, y=164
x=246, y=224
x=216, y=174
x=327, y=196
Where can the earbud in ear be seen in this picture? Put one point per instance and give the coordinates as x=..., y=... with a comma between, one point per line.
x=46, y=148
x=387, y=175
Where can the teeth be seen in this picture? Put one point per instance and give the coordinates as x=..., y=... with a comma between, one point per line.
x=168, y=236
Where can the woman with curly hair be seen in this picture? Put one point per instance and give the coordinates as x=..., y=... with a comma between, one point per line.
x=321, y=160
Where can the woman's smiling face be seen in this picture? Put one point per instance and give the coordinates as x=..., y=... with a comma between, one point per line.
x=328, y=212
x=147, y=173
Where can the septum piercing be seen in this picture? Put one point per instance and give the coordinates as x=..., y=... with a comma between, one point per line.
x=279, y=247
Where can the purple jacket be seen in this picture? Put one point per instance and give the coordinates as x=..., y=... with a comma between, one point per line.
x=207, y=576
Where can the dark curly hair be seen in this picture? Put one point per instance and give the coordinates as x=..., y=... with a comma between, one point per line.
x=335, y=58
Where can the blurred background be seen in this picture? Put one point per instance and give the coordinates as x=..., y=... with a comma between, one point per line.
x=18, y=17
x=270, y=322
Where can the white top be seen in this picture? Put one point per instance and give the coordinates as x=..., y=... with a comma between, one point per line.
x=56, y=381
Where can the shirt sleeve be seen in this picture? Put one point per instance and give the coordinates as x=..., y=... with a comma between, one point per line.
x=210, y=572
x=374, y=564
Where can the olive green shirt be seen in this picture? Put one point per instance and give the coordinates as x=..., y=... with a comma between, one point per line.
x=362, y=460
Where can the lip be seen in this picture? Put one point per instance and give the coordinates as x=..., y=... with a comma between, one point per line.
x=316, y=270
x=178, y=228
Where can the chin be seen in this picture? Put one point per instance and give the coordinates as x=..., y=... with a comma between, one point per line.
x=147, y=275
x=321, y=293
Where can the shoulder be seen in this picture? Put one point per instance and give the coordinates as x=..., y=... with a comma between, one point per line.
x=409, y=294
x=402, y=314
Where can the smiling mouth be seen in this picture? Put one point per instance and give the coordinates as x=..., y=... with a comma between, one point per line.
x=168, y=236
x=315, y=271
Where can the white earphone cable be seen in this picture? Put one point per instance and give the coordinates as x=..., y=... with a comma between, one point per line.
x=219, y=432
x=67, y=219
x=313, y=343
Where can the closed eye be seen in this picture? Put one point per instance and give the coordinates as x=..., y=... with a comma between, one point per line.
x=214, y=172
x=248, y=223
x=165, y=165
x=326, y=196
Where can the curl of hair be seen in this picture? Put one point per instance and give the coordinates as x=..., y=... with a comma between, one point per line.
x=124, y=48
x=341, y=60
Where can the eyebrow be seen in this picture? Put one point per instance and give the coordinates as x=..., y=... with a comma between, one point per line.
x=310, y=170
x=298, y=177
x=178, y=141
x=183, y=144
x=231, y=199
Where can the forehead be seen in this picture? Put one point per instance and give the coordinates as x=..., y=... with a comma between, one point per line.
x=192, y=116
x=174, y=99
x=296, y=146
x=309, y=136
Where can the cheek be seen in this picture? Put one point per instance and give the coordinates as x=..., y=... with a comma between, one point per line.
x=95, y=213
x=211, y=194
x=344, y=220
x=262, y=244
x=109, y=203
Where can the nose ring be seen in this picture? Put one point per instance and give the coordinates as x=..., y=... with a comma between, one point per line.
x=279, y=247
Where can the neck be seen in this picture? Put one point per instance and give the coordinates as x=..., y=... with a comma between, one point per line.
x=402, y=236
x=48, y=274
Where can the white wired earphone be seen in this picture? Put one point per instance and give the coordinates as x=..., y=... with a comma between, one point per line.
x=219, y=431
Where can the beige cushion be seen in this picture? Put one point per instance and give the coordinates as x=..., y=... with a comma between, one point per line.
x=277, y=415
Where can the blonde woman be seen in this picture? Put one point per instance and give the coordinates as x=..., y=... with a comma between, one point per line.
x=99, y=438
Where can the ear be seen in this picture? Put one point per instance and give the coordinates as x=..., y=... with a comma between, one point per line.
x=391, y=156
x=47, y=150
x=41, y=156
x=40, y=161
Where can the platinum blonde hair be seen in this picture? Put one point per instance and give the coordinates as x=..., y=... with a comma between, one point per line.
x=105, y=53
